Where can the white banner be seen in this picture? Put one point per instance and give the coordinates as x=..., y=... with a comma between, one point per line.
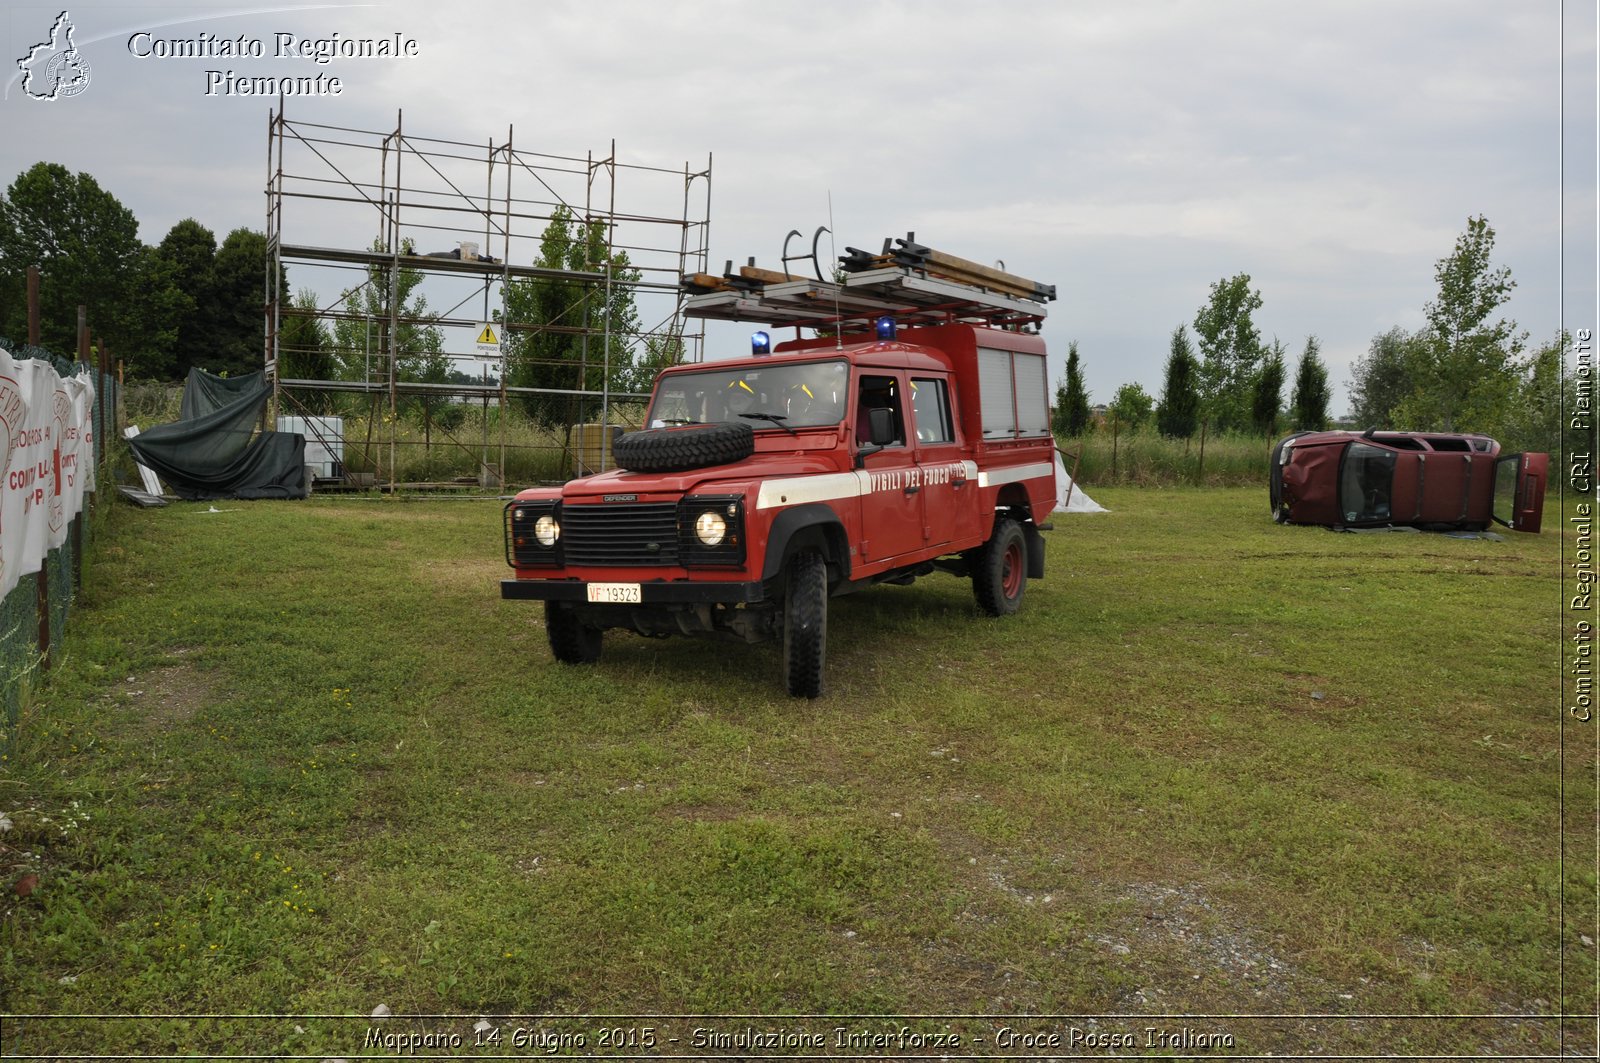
x=46, y=461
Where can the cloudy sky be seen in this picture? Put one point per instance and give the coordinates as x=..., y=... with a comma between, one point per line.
x=1131, y=153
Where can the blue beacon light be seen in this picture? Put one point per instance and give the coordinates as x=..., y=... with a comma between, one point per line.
x=885, y=327
x=760, y=343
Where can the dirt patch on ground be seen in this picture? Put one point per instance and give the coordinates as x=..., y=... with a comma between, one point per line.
x=1188, y=947
x=165, y=696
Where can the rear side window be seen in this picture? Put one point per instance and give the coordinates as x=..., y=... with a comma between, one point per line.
x=1366, y=483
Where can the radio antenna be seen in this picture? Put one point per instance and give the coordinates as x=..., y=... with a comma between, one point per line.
x=833, y=252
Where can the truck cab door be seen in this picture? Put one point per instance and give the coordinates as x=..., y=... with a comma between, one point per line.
x=1519, y=481
x=891, y=487
x=949, y=479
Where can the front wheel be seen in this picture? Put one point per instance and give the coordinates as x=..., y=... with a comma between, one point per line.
x=571, y=640
x=805, y=624
x=1001, y=572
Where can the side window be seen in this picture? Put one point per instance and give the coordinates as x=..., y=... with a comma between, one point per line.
x=879, y=392
x=930, y=410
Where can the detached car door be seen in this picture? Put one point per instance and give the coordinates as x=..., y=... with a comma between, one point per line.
x=1519, y=481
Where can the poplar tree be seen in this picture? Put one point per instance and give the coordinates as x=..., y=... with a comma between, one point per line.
x=1077, y=396
x=1178, y=413
x=1266, y=400
x=1309, y=405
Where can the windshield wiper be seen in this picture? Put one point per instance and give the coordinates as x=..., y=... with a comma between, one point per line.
x=676, y=420
x=776, y=418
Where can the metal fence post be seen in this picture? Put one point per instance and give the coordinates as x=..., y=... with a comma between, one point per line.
x=33, y=306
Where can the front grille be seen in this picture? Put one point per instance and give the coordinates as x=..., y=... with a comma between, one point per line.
x=638, y=533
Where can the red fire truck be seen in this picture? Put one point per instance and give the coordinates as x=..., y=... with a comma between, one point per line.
x=911, y=436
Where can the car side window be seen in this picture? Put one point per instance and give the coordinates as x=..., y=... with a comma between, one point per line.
x=879, y=392
x=930, y=408
x=1367, y=483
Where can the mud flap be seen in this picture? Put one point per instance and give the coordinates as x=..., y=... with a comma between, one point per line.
x=1034, y=542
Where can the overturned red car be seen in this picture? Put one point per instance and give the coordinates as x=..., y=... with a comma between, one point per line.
x=1437, y=481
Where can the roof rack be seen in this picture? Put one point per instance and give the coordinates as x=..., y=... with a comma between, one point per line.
x=913, y=283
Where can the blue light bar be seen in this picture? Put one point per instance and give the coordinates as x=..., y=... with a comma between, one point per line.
x=885, y=327
x=760, y=343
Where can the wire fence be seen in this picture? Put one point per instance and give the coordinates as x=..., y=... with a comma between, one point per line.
x=35, y=614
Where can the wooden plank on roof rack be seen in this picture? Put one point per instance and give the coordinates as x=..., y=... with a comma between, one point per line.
x=996, y=278
x=705, y=282
x=766, y=276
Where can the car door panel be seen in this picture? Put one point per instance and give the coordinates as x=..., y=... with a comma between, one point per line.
x=1519, y=484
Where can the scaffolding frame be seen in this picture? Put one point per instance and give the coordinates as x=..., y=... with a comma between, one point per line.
x=421, y=193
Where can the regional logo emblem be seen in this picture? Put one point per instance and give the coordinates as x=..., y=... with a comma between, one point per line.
x=55, y=69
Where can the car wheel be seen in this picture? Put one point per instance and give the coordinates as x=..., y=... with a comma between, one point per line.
x=571, y=640
x=1001, y=573
x=805, y=625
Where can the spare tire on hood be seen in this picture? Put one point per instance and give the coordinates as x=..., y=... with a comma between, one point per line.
x=692, y=446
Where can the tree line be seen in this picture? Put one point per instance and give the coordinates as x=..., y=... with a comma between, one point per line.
x=192, y=301
x=189, y=301
x=1467, y=370
x=1234, y=383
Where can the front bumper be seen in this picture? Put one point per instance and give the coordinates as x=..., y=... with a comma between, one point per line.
x=677, y=592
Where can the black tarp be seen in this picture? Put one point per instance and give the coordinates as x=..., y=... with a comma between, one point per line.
x=209, y=452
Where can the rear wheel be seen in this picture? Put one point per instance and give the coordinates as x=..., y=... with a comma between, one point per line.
x=1001, y=572
x=571, y=640
x=805, y=624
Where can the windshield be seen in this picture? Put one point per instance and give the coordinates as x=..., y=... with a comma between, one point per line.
x=789, y=395
x=1367, y=483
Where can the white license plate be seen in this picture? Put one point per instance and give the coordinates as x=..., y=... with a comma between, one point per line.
x=625, y=593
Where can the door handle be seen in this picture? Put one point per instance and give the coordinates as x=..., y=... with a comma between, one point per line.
x=912, y=490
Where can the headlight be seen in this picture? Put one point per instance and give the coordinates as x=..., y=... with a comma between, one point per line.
x=546, y=530
x=710, y=528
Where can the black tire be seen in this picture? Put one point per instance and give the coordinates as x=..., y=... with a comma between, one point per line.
x=692, y=446
x=1000, y=573
x=805, y=625
x=571, y=640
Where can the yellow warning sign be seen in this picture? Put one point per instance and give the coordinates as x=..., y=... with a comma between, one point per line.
x=488, y=340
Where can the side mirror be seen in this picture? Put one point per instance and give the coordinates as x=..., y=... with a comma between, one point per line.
x=880, y=433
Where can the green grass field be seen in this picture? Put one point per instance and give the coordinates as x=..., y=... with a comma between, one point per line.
x=299, y=758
